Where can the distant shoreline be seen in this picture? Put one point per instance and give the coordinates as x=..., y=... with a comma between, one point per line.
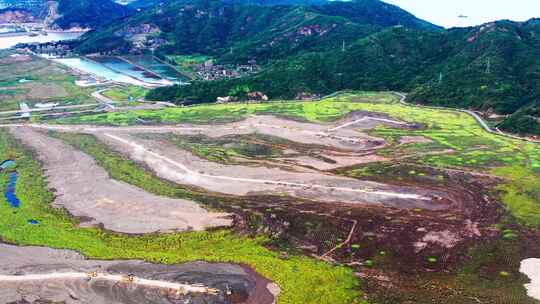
x=18, y=34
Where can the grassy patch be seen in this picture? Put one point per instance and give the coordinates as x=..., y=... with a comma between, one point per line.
x=38, y=80
x=521, y=194
x=187, y=62
x=303, y=280
x=229, y=149
x=124, y=93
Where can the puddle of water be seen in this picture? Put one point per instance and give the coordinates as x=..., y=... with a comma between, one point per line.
x=531, y=268
x=10, y=40
x=6, y=164
x=33, y=222
x=9, y=193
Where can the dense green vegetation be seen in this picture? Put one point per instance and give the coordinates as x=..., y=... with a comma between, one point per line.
x=472, y=147
x=236, y=31
x=491, y=68
x=89, y=13
x=322, y=47
x=363, y=44
x=295, y=275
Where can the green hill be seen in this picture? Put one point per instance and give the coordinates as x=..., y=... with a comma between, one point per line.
x=69, y=13
x=250, y=31
x=493, y=68
x=321, y=47
x=89, y=13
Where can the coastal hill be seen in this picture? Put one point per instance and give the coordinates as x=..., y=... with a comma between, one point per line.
x=318, y=47
x=65, y=14
x=322, y=48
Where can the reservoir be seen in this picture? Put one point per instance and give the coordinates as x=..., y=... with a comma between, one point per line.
x=126, y=68
x=11, y=39
x=99, y=70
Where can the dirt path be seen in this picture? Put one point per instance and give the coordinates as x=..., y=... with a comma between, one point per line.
x=192, y=174
x=180, y=166
x=86, y=191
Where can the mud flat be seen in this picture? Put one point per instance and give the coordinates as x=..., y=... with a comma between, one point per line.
x=531, y=268
x=85, y=190
x=38, y=274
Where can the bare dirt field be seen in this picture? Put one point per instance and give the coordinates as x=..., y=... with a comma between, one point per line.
x=340, y=139
x=38, y=275
x=86, y=191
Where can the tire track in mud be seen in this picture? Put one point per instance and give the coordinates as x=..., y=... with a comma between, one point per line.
x=177, y=287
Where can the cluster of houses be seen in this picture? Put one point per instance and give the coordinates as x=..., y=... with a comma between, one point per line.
x=210, y=71
x=56, y=49
x=255, y=96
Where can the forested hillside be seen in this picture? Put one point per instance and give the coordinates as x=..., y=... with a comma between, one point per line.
x=492, y=68
x=89, y=13
x=319, y=47
x=66, y=14
x=237, y=31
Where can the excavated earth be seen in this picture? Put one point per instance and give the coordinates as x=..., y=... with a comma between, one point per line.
x=86, y=191
x=310, y=205
x=417, y=217
x=180, y=166
x=230, y=283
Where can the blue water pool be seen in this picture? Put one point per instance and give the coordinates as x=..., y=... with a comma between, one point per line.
x=9, y=193
x=33, y=222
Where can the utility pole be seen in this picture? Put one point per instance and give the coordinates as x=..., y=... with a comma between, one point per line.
x=488, y=66
x=343, y=46
x=440, y=77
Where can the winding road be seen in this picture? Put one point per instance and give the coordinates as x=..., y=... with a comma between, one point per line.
x=477, y=117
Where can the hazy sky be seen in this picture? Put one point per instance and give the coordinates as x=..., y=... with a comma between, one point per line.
x=446, y=12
